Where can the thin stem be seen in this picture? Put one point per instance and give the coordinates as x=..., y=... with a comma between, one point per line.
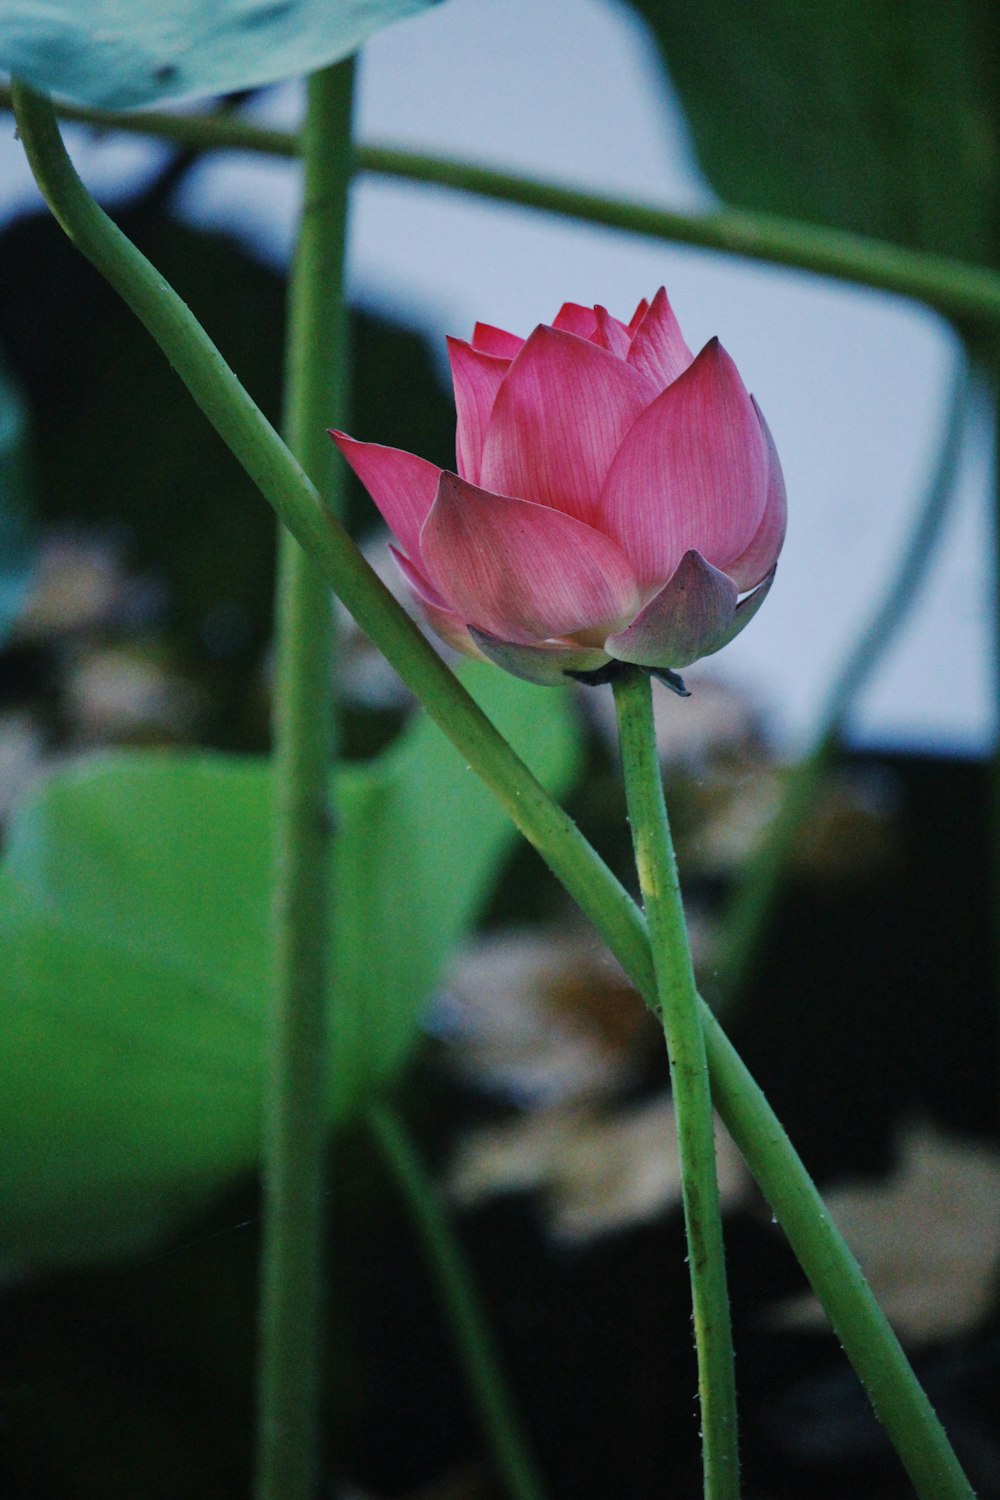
x=956, y=288
x=751, y=906
x=678, y=1003
x=991, y=380
x=470, y=1326
x=857, y=1319
x=215, y=130
x=297, y=1088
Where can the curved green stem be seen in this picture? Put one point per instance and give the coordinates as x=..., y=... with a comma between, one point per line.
x=296, y=1095
x=957, y=288
x=751, y=905
x=678, y=1003
x=869, y=1341
x=473, y=1336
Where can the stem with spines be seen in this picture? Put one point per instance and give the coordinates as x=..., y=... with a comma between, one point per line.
x=678, y=1005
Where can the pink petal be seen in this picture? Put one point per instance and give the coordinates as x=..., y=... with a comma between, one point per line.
x=490, y=340
x=691, y=472
x=572, y=318
x=558, y=420
x=638, y=315
x=476, y=378
x=402, y=485
x=546, y=665
x=750, y=567
x=683, y=621
x=611, y=334
x=521, y=571
x=445, y=622
x=658, y=347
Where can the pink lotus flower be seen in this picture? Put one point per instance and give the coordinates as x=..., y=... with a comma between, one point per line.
x=614, y=499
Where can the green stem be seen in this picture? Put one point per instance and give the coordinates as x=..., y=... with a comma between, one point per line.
x=751, y=906
x=218, y=130
x=296, y=1103
x=869, y=1341
x=988, y=366
x=957, y=288
x=473, y=1336
x=678, y=1004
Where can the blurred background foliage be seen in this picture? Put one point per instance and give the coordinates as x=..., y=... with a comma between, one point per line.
x=16, y=502
x=878, y=116
x=119, y=446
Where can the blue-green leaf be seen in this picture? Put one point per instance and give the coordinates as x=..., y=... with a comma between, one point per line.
x=117, y=54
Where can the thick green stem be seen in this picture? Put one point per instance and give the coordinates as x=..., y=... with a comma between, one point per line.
x=298, y=1084
x=858, y=1321
x=678, y=1004
x=751, y=906
x=956, y=288
x=470, y=1327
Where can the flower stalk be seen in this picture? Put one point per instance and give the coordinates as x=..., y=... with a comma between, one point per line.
x=959, y=289
x=858, y=1322
x=470, y=1328
x=678, y=1007
x=297, y=1088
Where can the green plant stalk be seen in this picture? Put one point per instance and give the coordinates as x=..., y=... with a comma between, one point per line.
x=749, y=910
x=297, y=1082
x=470, y=1326
x=956, y=288
x=994, y=763
x=656, y=866
x=858, y=1321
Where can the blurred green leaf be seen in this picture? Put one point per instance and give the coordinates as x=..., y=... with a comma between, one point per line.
x=880, y=116
x=134, y=921
x=120, y=53
x=16, y=497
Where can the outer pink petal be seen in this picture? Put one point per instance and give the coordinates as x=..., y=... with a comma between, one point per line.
x=683, y=621
x=751, y=566
x=658, y=347
x=445, y=622
x=521, y=571
x=476, y=377
x=611, y=334
x=402, y=485
x=546, y=665
x=558, y=421
x=572, y=318
x=490, y=340
x=691, y=473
